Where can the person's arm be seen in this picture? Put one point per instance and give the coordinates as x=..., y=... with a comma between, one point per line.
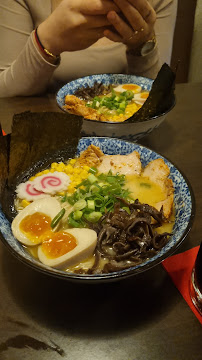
x=164, y=27
x=23, y=69
x=73, y=25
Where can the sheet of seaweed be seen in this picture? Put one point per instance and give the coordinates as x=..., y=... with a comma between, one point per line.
x=36, y=140
x=161, y=96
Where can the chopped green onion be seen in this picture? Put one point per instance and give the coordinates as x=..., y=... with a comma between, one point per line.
x=80, y=204
x=146, y=185
x=93, y=216
x=73, y=222
x=77, y=215
x=64, y=198
x=126, y=208
x=91, y=204
x=57, y=218
x=92, y=178
x=93, y=170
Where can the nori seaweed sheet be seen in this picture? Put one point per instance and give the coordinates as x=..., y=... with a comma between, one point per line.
x=37, y=140
x=161, y=96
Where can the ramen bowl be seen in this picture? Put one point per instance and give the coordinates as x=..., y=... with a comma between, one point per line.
x=131, y=131
x=184, y=214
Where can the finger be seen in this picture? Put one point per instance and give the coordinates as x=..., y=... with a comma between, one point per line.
x=96, y=34
x=132, y=15
x=123, y=28
x=145, y=9
x=112, y=36
x=96, y=7
x=96, y=21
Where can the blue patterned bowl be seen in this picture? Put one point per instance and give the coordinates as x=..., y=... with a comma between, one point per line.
x=184, y=206
x=128, y=131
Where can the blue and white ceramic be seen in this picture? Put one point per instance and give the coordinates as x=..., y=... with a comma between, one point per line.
x=128, y=131
x=184, y=207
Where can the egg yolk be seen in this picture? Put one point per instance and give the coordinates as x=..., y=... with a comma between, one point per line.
x=144, y=95
x=131, y=87
x=56, y=244
x=35, y=225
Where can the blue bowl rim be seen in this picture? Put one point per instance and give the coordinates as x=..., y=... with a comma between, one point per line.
x=112, y=122
x=121, y=274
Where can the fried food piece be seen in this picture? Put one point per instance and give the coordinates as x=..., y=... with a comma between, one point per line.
x=158, y=172
x=77, y=106
x=90, y=157
x=123, y=164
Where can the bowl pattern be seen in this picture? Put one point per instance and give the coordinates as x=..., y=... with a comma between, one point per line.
x=184, y=207
x=128, y=131
x=106, y=79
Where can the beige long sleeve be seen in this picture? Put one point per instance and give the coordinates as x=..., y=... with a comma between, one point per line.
x=24, y=72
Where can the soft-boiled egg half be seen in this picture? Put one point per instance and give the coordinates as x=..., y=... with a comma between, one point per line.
x=67, y=248
x=32, y=227
x=34, y=220
x=125, y=87
x=141, y=97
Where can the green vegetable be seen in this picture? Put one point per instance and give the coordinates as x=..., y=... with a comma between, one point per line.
x=96, y=197
x=77, y=214
x=91, y=204
x=93, y=170
x=57, y=218
x=64, y=198
x=73, y=222
x=146, y=185
x=92, y=178
x=126, y=208
x=94, y=216
x=80, y=204
x=114, y=102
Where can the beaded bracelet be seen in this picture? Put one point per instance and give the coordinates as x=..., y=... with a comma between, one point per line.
x=43, y=49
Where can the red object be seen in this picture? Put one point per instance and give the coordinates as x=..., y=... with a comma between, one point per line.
x=3, y=132
x=38, y=41
x=45, y=51
x=179, y=268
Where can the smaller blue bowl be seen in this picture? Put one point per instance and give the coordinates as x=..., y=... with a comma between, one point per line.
x=124, y=130
x=184, y=208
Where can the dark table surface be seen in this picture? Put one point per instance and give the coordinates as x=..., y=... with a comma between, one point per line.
x=143, y=317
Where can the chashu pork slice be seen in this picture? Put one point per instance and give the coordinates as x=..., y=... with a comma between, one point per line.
x=158, y=172
x=123, y=164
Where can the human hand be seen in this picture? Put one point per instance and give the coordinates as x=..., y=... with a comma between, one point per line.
x=75, y=25
x=138, y=25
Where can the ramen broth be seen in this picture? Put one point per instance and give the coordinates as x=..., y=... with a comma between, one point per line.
x=140, y=188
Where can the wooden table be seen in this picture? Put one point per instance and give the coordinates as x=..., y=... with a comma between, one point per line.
x=141, y=318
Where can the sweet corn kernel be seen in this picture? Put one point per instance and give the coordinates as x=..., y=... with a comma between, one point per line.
x=86, y=167
x=69, y=169
x=72, y=161
x=71, y=188
x=25, y=203
x=61, y=193
x=84, y=174
x=32, y=178
x=46, y=171
x=77, y=170
x=53, y=165
x=60, y=167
